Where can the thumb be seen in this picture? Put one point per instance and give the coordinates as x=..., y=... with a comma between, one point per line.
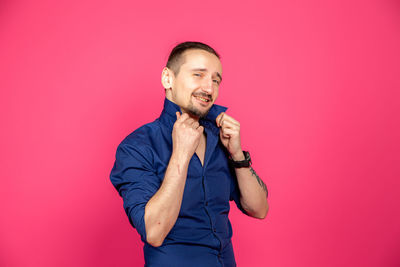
x=219, y=118
x=200, y=129
x=223, y=135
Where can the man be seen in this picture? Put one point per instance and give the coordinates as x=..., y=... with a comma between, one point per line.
x=177, y=174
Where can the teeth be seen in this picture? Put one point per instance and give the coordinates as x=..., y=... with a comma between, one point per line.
x=203, y=99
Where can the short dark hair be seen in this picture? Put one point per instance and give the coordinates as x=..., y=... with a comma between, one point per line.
x=175, y=59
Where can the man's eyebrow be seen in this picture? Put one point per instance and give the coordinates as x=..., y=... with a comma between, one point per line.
x=204, y=70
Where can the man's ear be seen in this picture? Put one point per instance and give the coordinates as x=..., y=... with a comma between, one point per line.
x=166, y=78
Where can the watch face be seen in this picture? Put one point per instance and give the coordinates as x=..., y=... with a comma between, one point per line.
x=248, y=158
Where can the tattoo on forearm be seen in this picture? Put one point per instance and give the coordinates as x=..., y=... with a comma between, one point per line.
x=260, y=182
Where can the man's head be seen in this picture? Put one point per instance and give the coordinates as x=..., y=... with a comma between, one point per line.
x=192, y=76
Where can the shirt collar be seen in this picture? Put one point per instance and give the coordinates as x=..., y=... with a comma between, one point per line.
x=168, y=114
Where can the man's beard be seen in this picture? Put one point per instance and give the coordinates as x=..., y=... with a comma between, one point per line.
x=191, y=109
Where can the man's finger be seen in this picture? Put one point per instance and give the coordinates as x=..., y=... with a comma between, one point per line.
x=229, y=118
x=229, y=132
x=195, y=124
x=229, y=124
x=184, y=116
x=224, y=135
x=219, y=119
x=190, y=121
x=222, y=118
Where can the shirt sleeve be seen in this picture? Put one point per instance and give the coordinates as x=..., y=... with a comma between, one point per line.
x=235, y=191
x=136, y=181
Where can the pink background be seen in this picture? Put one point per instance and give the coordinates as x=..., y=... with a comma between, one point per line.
x=315, y=85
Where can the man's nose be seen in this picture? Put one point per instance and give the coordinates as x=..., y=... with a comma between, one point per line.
x=208, y=86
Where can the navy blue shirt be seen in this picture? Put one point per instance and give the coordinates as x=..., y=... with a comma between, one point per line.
x=202, y=233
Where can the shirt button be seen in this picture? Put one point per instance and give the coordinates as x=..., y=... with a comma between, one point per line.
x=206, y=203
x=215, y=230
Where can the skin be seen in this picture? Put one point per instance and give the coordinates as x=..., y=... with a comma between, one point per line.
x=199, y=77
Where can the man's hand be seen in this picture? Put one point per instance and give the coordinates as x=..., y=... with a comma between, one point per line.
x=186, y=135
x=230, y=135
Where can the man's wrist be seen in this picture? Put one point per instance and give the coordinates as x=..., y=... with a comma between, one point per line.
x=180, y=157
x=238, y=156
x=245, y=162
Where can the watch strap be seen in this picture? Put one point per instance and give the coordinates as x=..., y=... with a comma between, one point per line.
x=242, y=163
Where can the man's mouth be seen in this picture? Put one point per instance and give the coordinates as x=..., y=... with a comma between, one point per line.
x=203, y=98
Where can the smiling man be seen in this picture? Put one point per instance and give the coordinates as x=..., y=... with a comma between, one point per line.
x=176, y=175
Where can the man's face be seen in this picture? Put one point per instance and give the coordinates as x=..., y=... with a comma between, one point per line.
x=195, y=87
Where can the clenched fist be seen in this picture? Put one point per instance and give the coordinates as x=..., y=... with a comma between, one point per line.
x=230, y=135
x=186, y=135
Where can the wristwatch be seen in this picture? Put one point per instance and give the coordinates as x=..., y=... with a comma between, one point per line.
x=242, y=163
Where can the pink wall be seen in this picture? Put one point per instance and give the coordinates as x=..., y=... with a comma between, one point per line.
x=315, y=85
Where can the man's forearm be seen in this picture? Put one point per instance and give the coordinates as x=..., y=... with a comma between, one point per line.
x=163, y=208
x=253, y=190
